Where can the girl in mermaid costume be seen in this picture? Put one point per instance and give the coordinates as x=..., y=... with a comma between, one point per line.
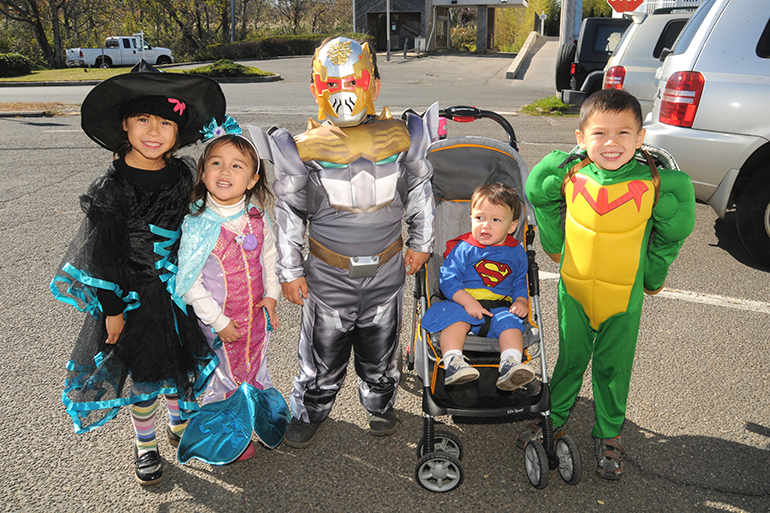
x=227, y=274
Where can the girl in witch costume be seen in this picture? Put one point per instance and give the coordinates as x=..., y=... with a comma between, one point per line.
x=139, y=340
x=227, y=274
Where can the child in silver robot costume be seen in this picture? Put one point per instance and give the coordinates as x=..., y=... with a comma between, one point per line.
x=349, y=182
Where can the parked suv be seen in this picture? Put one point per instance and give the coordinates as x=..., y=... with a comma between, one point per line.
x=633, y=64
x=580, y=67
x=711, y=111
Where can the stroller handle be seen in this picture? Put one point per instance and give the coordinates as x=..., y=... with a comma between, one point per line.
x=464, y=114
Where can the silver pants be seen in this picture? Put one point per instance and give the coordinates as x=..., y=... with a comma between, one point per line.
x=341, y=313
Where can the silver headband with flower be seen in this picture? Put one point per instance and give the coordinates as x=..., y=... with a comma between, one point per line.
x=213, y=131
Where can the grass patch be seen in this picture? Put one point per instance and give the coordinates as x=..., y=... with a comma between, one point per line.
x=550, y=106
x=68, y=75
x=48, y=108
x=225, y=68
x=222, y=68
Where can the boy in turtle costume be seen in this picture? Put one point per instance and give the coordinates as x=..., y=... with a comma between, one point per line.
x=625, y=223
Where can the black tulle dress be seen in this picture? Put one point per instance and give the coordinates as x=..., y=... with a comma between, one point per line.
x=123, y=259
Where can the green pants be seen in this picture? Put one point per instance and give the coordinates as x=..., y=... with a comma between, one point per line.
x=613, y=346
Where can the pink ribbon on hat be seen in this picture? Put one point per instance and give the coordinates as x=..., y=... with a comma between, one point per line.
x=180, y=106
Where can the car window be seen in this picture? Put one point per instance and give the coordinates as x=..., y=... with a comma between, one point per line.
x=685, y=38
x=763, y=47
x=126, y=43
x=607, y=39
x=668, y=36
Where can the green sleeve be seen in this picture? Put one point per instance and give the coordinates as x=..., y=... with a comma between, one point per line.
x=673, y=220
x=543, y=188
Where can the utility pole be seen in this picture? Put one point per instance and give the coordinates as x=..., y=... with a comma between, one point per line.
x=387, y=29
x=232, y=21
x=571, y=18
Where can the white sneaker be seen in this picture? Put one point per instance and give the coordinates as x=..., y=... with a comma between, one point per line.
x=458, y=371
x=514, y=375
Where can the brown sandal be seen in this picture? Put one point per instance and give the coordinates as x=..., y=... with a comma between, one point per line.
x=609, y=458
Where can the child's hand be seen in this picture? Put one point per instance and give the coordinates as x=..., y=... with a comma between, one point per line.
x=520, y=307
x=471, y=305
x=115, y=324
x=477, y=311
x=269, y=304
x=229, y=334
x=295, y=291
x=414, y=260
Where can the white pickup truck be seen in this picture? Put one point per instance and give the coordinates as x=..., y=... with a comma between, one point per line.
x=119, y=51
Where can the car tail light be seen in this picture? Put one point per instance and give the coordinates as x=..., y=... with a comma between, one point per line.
x=681, y=98
x=572, y=69
x=81, y=54
x=614, y=77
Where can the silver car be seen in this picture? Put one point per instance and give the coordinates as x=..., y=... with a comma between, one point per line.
x=712, y=112
x=633, y=64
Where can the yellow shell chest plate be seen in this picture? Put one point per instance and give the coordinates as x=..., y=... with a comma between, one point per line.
x=374, y=141
x=604, y=232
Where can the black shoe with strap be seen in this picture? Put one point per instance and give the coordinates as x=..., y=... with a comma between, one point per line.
x=149, y=467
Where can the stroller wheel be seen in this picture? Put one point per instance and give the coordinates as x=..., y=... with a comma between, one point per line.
x=442, y=442
x=570, y=466
x=439, y=472
x=536, y=464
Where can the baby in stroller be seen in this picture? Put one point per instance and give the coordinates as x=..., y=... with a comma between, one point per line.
x=484, y=278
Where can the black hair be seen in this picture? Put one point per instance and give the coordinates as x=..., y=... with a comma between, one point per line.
x=125, y=146
x=260, y=190
x=610, y=100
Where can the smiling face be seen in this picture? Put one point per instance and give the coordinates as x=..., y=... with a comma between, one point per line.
x=151, y=137
x=611, y=138
x=491, y=224
x=228, y=173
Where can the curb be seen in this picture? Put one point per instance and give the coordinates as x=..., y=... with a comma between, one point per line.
x=519, y=60
x=23, y=114
x=220, y=80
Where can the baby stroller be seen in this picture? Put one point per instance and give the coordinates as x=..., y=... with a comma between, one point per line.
x=460, y=164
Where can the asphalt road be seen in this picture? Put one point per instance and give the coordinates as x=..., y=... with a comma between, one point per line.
x=698, y=428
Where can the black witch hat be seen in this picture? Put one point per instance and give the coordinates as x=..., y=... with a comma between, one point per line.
x=190, y=101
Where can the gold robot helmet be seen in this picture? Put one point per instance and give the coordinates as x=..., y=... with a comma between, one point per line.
x=344, y=82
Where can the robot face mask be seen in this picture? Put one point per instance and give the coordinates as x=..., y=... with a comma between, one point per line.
x=343, y=77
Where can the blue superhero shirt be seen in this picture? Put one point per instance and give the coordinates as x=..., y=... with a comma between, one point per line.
x=485, y=272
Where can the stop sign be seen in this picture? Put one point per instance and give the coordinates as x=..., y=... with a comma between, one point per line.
x=624, y=5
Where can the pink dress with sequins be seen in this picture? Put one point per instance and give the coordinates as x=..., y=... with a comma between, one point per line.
x=234, y=276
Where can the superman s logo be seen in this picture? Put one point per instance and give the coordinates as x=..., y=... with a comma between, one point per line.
x=492, y=273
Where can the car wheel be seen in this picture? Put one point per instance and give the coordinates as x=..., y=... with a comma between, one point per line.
x=163, y=60
x=563, y=65
x=103, y=63
x=752, y=217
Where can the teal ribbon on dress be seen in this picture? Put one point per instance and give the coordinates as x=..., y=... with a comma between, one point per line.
x=87, y=293
x=162, y=249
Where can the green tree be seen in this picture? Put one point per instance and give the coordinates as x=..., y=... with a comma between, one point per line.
x=42, y=17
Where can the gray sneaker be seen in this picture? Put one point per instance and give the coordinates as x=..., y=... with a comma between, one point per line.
x=381, y=424
x=514, y=375
x=458, y=371
x=299, y=434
